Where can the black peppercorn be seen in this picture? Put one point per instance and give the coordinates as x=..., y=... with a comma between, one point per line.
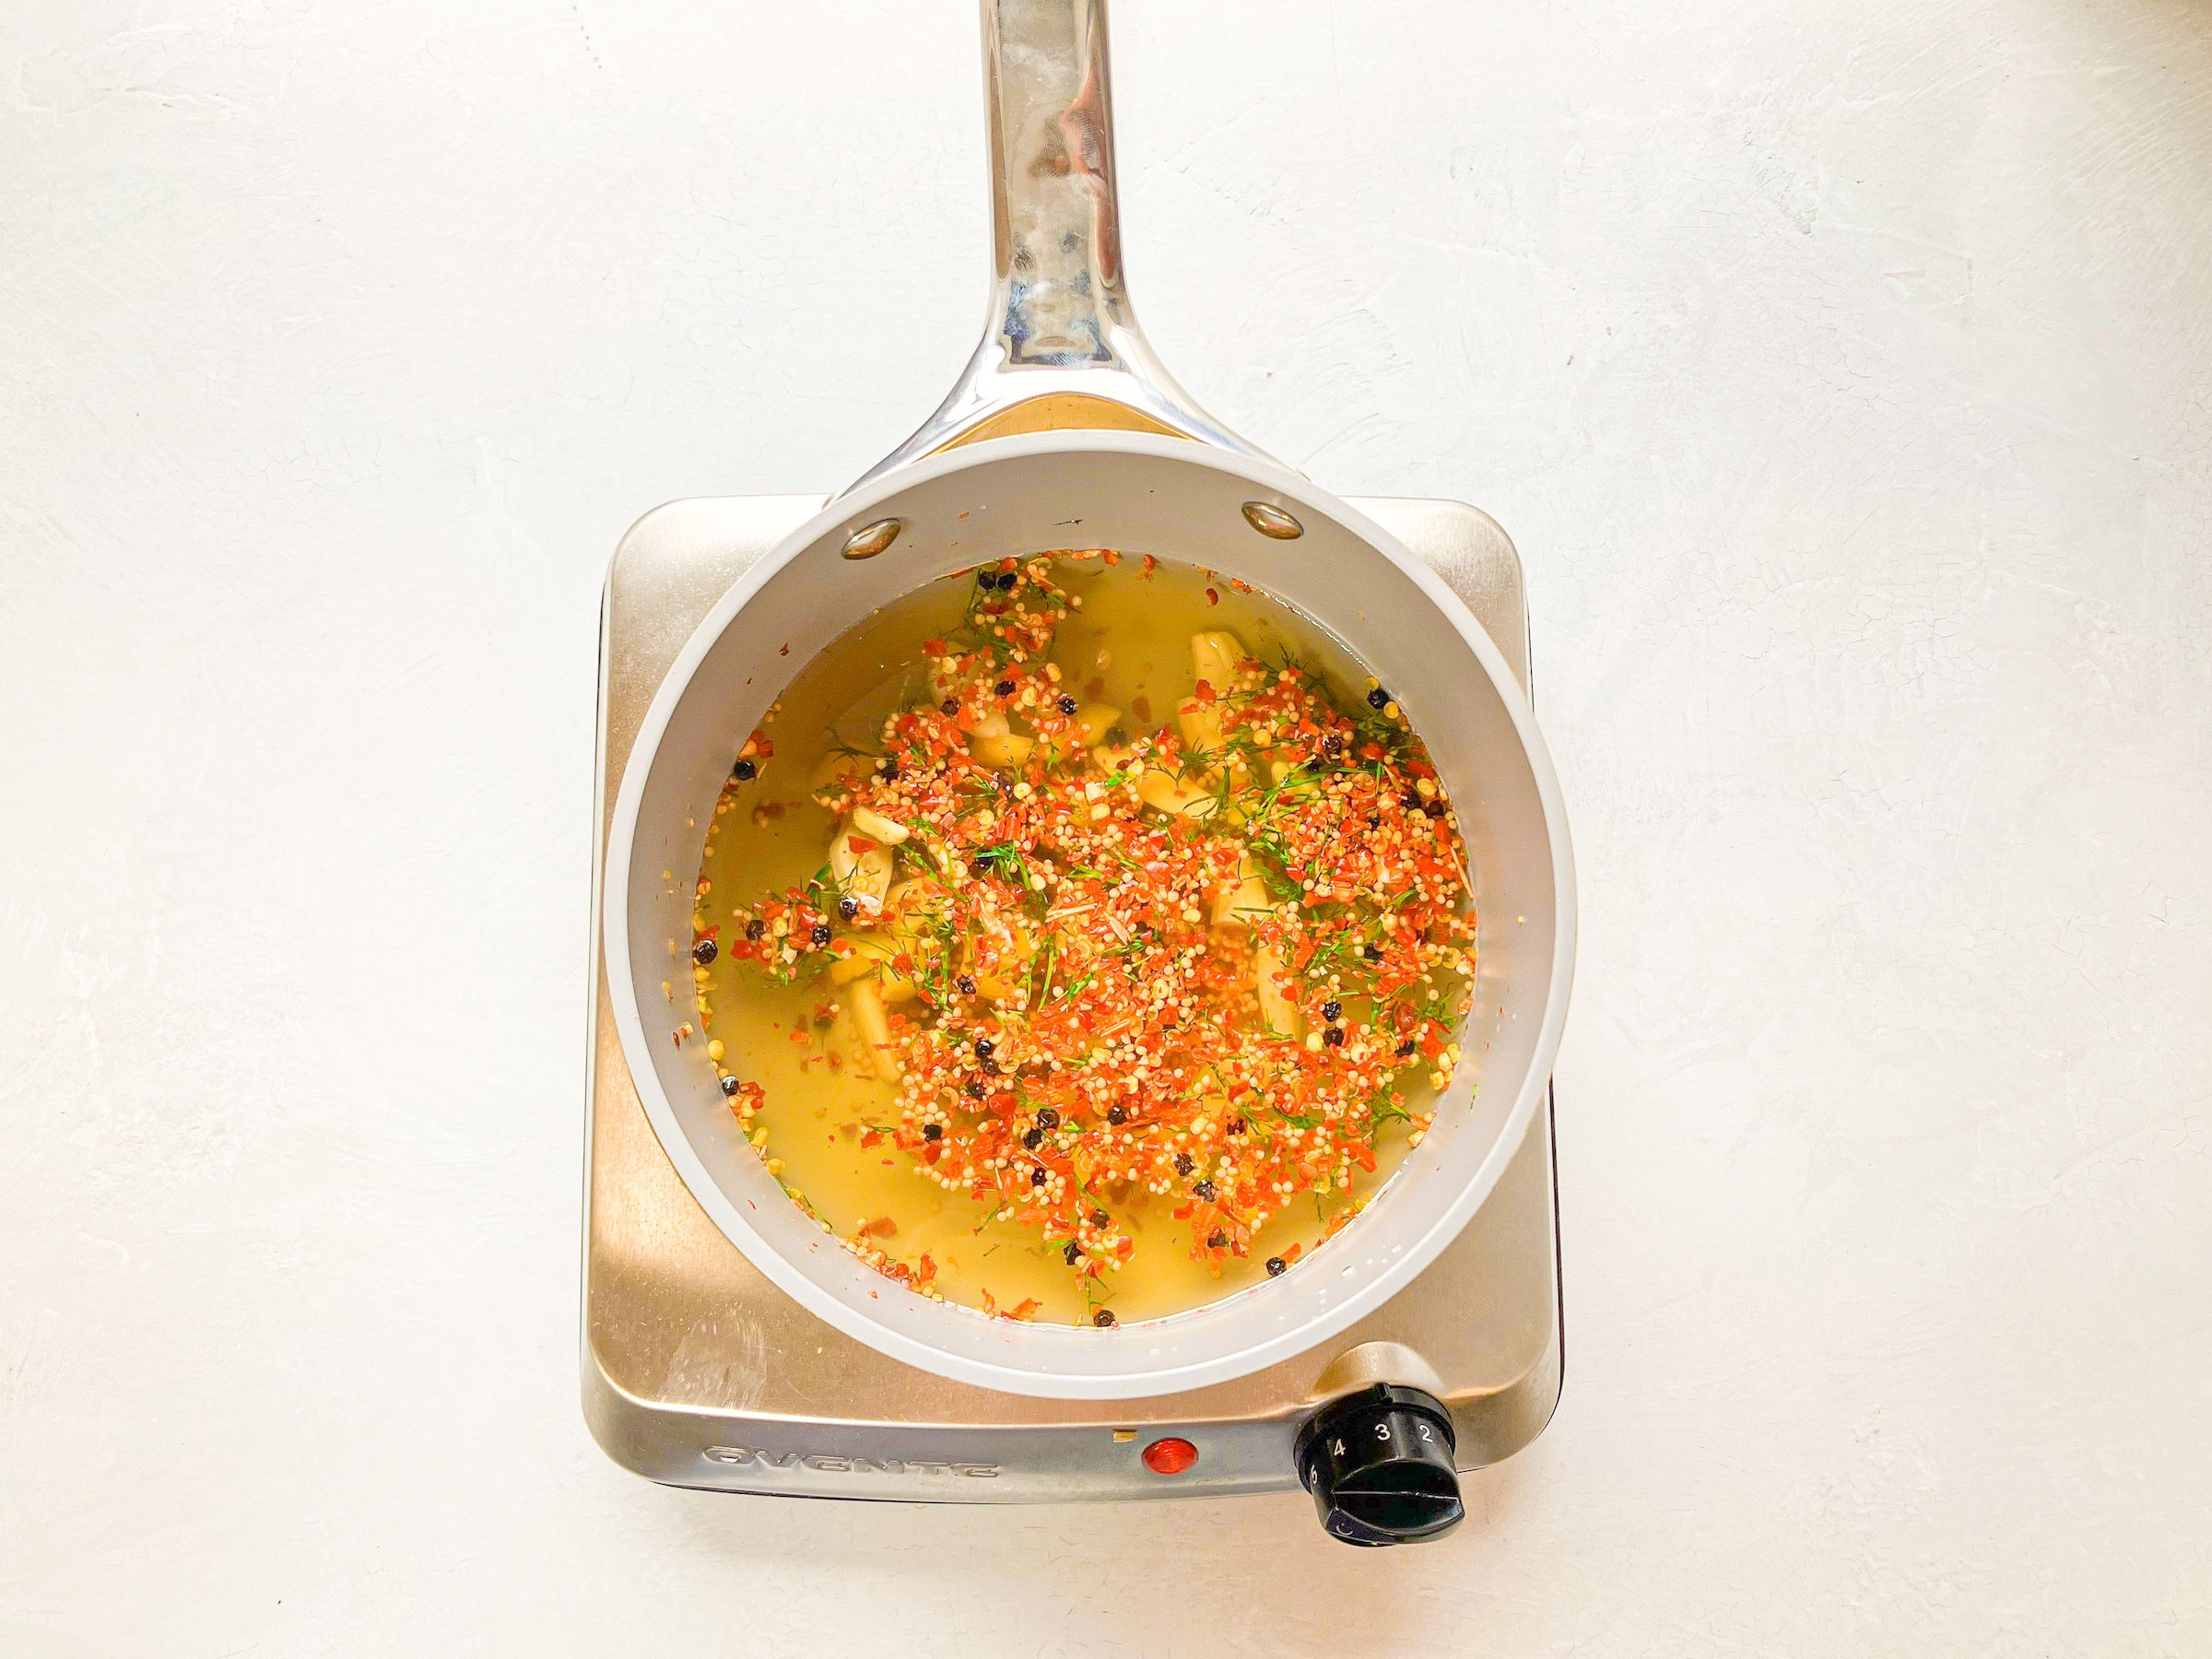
x=933, y=1131
x=1033, y=1139
x=745, y=771
x=1204, y=1189
x=979, y=867
x=705, y=951
x=973, y=1088
x=1378, y=698
x=1183, y=1163
x=848, y=907
x=1217, y=1239
x=1103, y=1318
x=1037, y=1176
x=818, y=935
x=985, y=1048
x=754, y=928
x=1331, y=1010
x=1371, y=951
x=1404, y=1048
x=1073, y=1254
x=1067, y=705
x=951, y=705
x=1004, y=687
x=986, y=580
x=1099, y=1217
x=890, y=768
x=1275, y=1266
x=1333, y=1037
x=965, y=984
x=990, y=1068
x=1047, y=1119
x=1117, y=1114
x=1435, y=809
x=730, y=1085
x=1410, y=800
x=1331, y=746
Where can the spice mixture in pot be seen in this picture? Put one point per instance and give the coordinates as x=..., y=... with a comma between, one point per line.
x=1134, y=960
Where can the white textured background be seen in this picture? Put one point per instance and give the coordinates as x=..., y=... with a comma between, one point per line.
x=1843, y=371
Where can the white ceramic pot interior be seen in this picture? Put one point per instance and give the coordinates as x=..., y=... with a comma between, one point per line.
x=1177, y=500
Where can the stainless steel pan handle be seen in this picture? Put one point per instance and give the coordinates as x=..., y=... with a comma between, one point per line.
x=1061, y=344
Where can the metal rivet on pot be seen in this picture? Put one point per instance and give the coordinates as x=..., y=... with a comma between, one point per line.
x=1272, y=521
x=871, y=539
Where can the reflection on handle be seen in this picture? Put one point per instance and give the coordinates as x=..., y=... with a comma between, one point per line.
x=1060, y=346
x=1055, y=229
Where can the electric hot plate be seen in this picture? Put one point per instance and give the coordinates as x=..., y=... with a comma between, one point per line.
x=699, y=1373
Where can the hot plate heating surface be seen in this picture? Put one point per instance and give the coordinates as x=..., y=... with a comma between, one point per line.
x=699, y=1372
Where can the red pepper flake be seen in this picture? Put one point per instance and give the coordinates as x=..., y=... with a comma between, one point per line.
x=1212, y=597
x=1203, y=692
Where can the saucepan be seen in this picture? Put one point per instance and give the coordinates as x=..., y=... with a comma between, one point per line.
x=1064, y=418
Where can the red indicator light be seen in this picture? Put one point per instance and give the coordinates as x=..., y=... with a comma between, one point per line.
x=1170, y=1456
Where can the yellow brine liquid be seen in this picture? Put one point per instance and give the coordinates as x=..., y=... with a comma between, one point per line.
x=1100, y=939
